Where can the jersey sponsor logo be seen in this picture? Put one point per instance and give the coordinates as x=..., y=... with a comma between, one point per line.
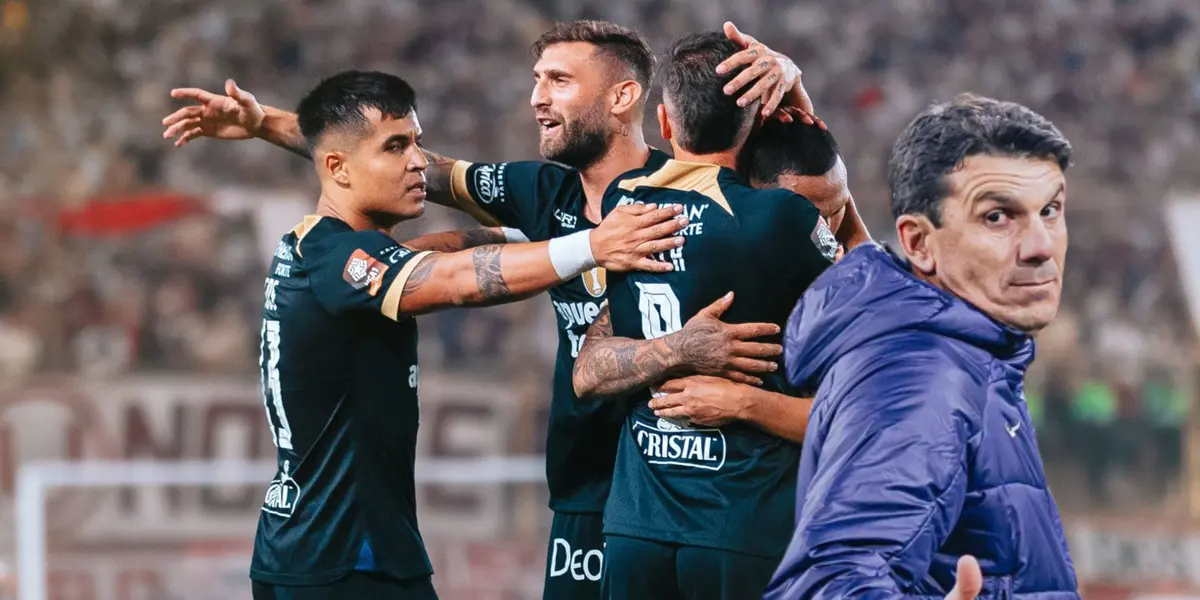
x=282, y=270
x=627, y=200
x=823, y=239
x=580, y=565
x=282, y=494
x=489, y=183
x=568, y=220
x=283, y=251
x=595, y=282
x=363, y=271
x=671, y=442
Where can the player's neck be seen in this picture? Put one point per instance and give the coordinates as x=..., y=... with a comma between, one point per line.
x=328, y=206
x=728, y=159
x=625, y=153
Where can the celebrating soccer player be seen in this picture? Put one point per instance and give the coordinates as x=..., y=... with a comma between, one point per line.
x=590, y=120
x=701, y=504
x=339, y=349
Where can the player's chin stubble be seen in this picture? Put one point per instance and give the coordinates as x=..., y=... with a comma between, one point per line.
x=580, y=145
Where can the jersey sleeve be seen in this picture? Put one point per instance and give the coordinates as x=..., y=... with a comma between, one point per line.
x=363, y=272
x=815, y=248
x=514, y=194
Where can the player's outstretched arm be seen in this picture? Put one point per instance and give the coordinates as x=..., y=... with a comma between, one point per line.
x=492, y=274
x=608, y=365
x=239, y=116
x=714, y=401
x=455, y=241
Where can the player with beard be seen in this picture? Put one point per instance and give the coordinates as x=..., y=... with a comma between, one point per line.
x=339, y=345
x=590, y=121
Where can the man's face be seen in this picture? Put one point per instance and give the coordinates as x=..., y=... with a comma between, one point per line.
x=386, y=169
x=1003, y=239
x=569, y=100
x=829, y=192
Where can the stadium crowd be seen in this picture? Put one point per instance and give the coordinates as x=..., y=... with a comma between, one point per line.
x=83, y=85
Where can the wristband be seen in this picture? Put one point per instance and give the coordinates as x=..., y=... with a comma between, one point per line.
x=572, y=254
x=513, y=236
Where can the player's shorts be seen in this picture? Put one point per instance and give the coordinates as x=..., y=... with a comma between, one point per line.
x=358, y=585
x=575, y=557
x=638, y=569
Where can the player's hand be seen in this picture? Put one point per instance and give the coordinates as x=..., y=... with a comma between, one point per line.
x=630, y=235
x=235, y=116
x=712, y=347
x=969, y=581
x=775, y=77
x=700, y=399
x=788, y=114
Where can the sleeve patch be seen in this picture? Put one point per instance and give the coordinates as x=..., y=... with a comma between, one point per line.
x=823, y=239
x=489, y=183
x=363, y=271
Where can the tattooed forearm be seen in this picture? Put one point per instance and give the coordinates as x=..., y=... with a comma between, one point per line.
x=453, y=241
x=610, y=365
x=488, y=274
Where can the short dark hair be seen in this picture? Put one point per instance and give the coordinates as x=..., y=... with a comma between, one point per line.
x=796, y=147
x=338, y=102
x=939, y=139
x=624, y=45
x=708, y=120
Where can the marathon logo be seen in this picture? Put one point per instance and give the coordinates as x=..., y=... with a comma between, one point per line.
x=674, y=443
x=363, y=271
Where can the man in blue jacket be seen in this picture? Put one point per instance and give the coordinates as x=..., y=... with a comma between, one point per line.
x=920, y=450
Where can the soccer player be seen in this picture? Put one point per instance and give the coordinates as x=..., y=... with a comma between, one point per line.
x=699, y=511
x=339, y=346
x=590, y=123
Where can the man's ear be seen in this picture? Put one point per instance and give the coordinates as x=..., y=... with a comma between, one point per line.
x=626, y=96
x=914, y=233
x=336, y=167
x=664, y=126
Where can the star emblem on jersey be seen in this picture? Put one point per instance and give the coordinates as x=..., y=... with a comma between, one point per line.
x=595, y=281
x=363, y=271
x=823, y=239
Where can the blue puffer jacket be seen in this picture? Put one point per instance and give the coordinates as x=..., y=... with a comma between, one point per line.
x=920, y=448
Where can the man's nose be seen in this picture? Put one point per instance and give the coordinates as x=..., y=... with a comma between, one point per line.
x=419, y=161
x=539, y=97
x=1037, y=243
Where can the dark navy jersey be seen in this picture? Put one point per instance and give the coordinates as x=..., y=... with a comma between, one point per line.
x=546, y=200
x=730, y=487
x=339, y=380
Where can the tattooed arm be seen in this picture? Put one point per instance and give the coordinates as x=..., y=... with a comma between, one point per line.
x=453, y=241
x=609, y=365
x=497, y=273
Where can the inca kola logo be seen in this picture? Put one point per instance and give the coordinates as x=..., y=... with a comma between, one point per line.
x=596, y=281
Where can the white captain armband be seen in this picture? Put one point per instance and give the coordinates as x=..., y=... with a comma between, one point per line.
x=513, y=236
x=572, y=254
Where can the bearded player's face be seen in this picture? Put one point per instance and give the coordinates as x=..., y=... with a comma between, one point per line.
x=569, y=103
